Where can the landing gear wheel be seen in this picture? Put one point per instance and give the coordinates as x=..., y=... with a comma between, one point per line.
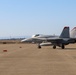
x=39, y=46
x=54, y=47
x=63, y=46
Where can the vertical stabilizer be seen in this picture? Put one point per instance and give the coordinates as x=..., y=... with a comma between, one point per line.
x=65, y=33
x=73, y=33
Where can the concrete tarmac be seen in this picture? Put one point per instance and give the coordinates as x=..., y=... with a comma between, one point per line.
x=26, y=59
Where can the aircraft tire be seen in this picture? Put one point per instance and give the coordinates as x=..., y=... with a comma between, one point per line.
x=63, y=46
x=39, y=46
x=54, y=47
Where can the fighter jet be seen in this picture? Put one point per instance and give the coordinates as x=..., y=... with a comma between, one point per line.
x=61, y=41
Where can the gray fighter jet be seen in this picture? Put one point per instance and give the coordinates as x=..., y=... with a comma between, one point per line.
x=61, y=41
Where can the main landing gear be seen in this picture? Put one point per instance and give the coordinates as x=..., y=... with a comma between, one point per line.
x=62, y=46
x=54, y=47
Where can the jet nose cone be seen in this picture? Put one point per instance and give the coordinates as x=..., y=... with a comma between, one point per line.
x=27, y=40
x=24, y=40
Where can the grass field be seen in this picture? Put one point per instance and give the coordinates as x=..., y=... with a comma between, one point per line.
x=26, y=59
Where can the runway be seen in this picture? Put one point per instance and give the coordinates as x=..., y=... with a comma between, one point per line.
x=26, y=59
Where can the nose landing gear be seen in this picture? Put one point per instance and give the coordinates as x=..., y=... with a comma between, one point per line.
x=39, y=47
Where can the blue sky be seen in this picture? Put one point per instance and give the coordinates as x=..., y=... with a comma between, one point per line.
x=28, y=17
